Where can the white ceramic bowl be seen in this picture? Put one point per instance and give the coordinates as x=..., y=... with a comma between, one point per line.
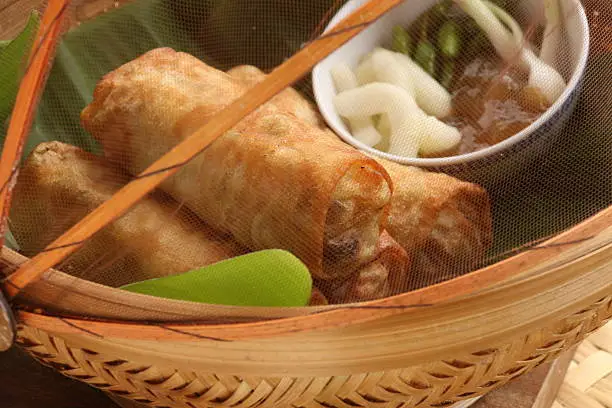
x=510, y=154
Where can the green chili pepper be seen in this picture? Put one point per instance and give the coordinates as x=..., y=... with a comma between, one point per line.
x=425, y=56
x=447, y=73
x=442, y=7
x=449, y=41
x=424, y=24
x=401, y=41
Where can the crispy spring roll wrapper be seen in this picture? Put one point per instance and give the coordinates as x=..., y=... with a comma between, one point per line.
x=273, y=181
x=443, y=222
x=385, y=276
x=289, y=100
x=317, y=298
x=59, y=184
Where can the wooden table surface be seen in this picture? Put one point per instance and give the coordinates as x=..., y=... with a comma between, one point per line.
x=24, y=383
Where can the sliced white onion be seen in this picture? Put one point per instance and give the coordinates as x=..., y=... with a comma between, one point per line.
x=552, y=32
x=409, y=125
x=362, y=128
x=388, y=69
x=365, y=71
x=431, y=96
x=440, y=136
x=489, y=18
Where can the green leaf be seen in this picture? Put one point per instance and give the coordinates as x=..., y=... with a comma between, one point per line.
x=13, y=56
x=273, y=278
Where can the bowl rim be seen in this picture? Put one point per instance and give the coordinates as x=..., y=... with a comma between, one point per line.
x=462, y=159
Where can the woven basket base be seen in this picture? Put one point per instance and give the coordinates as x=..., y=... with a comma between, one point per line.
x=125, y=403
x=587, y=383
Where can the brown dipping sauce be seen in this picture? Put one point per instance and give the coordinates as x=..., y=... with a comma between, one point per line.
x=491, y=102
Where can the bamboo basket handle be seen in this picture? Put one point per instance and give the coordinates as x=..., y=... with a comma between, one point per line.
x=30, y=89
x=283, y=76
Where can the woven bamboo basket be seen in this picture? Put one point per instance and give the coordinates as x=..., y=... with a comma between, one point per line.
x=432, y=347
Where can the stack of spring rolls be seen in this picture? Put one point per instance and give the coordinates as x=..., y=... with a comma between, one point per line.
x=365, y=228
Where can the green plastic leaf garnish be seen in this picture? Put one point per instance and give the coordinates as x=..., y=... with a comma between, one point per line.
x=273, y=278
x=13, y=56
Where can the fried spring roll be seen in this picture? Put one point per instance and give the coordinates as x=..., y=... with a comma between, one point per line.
x=273, y=181
x=59, y=184
x=386, y=275
x=317, y=298
x=289, y=100
x=442, y=222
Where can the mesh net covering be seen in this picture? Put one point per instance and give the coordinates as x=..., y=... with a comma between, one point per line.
x=467, y=144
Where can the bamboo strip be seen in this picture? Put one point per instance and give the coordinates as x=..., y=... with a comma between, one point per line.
x=554, y=380
x=280, y=371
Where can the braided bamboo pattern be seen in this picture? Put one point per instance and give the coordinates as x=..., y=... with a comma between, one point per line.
x=435, y=384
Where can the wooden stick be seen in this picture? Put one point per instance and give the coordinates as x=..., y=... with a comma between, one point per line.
x=282, y=77
x=43, y=50
x=554, y=380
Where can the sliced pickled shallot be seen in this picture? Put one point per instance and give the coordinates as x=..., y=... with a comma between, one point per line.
x=362, y=128
x=511, y=45
x=382, y=65
x=412, y=131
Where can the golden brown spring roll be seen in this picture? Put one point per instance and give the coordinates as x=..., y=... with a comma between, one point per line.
x=317, y=298
x=273, y=181
x=289, y=100
x=386, y=275
x=444, y=223
x=59, y=184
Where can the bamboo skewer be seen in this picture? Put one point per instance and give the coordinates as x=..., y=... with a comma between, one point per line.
x=283, y=76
